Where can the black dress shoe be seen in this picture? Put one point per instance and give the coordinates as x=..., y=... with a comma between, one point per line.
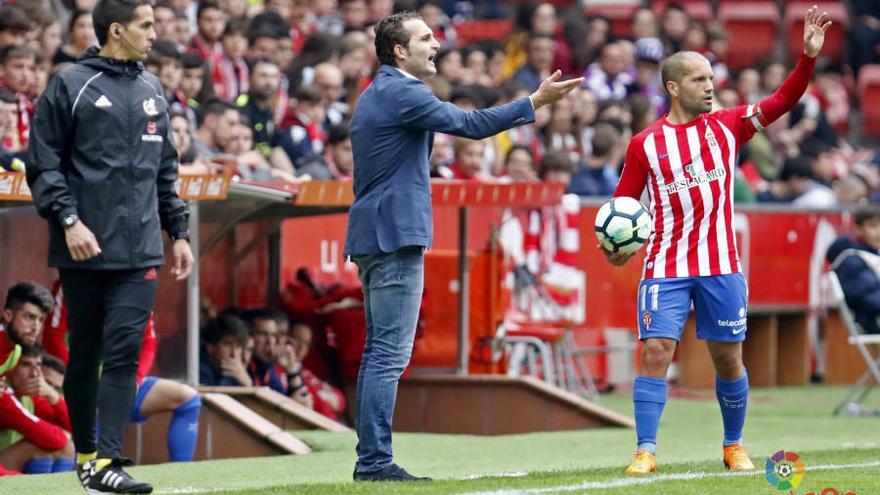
x=392, y=472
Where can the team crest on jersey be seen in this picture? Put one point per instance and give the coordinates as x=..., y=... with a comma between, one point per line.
x=646, y=319
x=151, y=127
x=150, y=107
x=710, y=138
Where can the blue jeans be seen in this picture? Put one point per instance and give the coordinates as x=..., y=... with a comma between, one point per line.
x=392, y=284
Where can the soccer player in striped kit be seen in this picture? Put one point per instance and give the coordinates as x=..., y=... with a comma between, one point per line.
x=686, y=160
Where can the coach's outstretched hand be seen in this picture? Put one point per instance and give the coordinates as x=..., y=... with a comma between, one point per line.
x=552, y=89
x=815, y=25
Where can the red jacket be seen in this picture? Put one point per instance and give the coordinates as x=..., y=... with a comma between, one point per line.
x=46, y=427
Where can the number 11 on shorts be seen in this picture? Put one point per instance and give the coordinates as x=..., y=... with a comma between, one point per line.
x=654, y=291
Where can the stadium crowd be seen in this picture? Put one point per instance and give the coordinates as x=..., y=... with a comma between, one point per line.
x=265, y=89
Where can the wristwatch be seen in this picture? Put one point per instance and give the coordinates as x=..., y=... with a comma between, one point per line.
x=69, y=220
x=183, y=234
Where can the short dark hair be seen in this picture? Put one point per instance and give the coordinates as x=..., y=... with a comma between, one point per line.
x=12, y=52
x=234, y=27
x=555, y=161
x=29, y=292
x=795, y=168
x=77, y=13
x=519, y=147
x=203, y=6
x=31, y=350
x=191, y=61
x=390, y=32
x=253, y=315
x=109, y=11
x=215, y=107
x=54, y=363
x=867, y=212
x=338, y=133
x=167, y=51
x=14, y=18
x=226, y=325
x=309, y=93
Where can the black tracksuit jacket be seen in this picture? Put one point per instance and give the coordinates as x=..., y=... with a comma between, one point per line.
x=101, y=148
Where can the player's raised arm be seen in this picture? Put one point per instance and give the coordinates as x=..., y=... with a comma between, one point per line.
x=791, y=90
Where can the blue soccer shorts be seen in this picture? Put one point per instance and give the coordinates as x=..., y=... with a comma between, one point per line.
x=720, y=303
x=143, y=390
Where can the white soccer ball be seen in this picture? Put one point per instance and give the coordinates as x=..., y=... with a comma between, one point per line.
x=623, y=225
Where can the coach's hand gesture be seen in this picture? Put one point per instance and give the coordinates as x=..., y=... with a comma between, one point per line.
x=81, y=242
x=552, y=89
x=815, y=26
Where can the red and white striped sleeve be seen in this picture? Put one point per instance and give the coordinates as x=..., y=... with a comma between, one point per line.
x=634, y=176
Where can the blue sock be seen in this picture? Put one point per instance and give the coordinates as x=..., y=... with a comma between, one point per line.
x=62, y=465
x=733, y=396
x=183, y=430
x=38, y=466
x=649, y=397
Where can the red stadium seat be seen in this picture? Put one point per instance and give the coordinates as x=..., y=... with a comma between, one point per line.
x=835, y=37
x=470, y=31
x=869, y=99
x=620, y=14
x=752, y=27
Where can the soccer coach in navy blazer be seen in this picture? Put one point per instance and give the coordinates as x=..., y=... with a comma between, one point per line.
x=390, y=223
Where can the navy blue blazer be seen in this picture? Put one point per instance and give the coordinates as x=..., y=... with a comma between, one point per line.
x=392, y=131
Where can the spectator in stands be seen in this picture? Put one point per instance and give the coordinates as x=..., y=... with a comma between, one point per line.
x=16, y=75
x=519, y=165
x=674, y=27
x=598, y=175
x=329, y=79
x=469, y=160
x=649, y=53
x=34, y=423
x=220, y=360
x=718, y=43
x=539, y=61
x=608, y=78
x=531, y=20
x=327, y=18
x=797, y=185
x=196, y=84
x=432, y=13
x=304, y=134
x=556, y=167
x=14, y=25
x=585, y=109
x=258, y=104
x=211, y=22
x=163, y=23
x=856, y=261
x=339, y=157
x=354, y=14
x=442, y=156
x=748, y=84
x=80, y=35
x=229, y=71
x=181, y=131
x=864, y=34
x=643, y=24
x=354, y=61
x=218, y=119
x=852, y=189
x=50, y=40
x=559, y=134
x=11, y=154
x=181, y=29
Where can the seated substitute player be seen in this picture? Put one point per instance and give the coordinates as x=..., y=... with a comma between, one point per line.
x=220, y=360
x=686, y=159
x=154, y=395
x=34, y=423
x=856, y=260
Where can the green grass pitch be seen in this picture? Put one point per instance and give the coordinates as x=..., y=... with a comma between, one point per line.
x=839, y=452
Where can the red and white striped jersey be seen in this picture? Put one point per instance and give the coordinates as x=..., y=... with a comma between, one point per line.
x=689, y=170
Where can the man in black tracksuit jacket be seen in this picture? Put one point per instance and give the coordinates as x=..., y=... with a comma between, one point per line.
x=102, y=169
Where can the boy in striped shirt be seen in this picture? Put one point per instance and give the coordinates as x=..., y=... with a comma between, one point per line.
x=686, y=161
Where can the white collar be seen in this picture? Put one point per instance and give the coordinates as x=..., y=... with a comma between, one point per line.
x=405, y=73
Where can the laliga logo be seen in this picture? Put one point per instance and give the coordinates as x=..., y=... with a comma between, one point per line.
x=785, y=471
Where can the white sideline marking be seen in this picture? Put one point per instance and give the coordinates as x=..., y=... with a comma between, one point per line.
x=624, y=482
x=514, y=474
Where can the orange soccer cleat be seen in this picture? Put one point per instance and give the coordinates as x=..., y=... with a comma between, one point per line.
x=737, y=459
x=643, y=463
